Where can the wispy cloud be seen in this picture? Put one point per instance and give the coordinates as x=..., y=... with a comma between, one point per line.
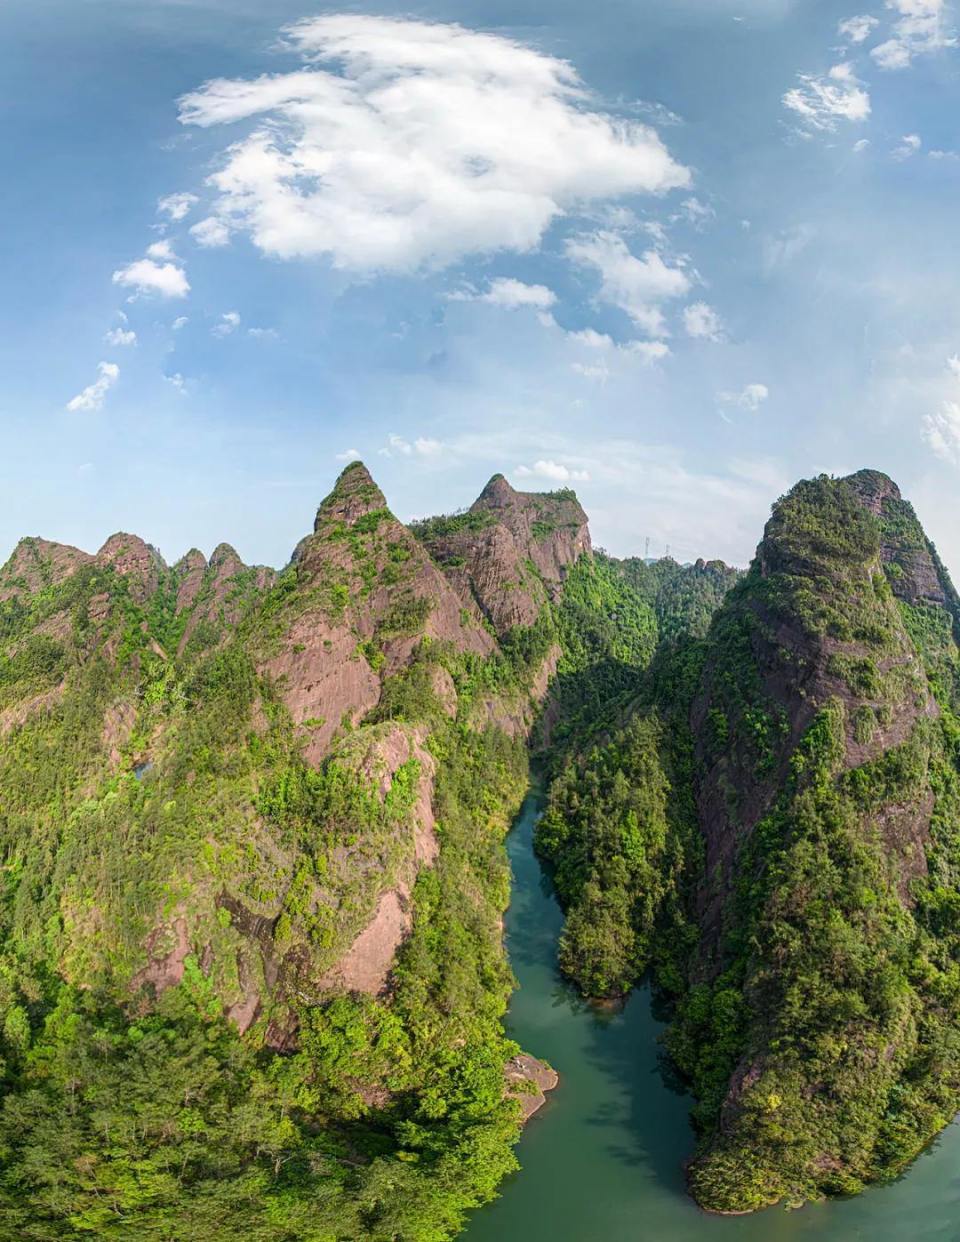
x=702, y=322
x=176, y=207
x=422, y=446
x=941, y=430
x=910, y=144
x=229, y=322
x=555, y=471
x=93, y=396
x=750, y=397
x=121, y=337
x=637, y=286
x=822, y=102
x=858, y=29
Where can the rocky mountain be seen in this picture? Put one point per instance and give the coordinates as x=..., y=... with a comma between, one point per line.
x=510, y=551
x=252, y=977
x=258, y=818
x=770, y=827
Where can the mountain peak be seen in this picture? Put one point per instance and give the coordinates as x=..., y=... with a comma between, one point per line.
x=35, y=562
x=497, y=494
x=132, y=557
x=354, y=494
x=225, y=553
x=873, y=487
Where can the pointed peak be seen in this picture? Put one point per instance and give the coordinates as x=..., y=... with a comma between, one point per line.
x=225, y=554
x=498, y=493
x=132, y=558
x=190, y=562
x=354, y=494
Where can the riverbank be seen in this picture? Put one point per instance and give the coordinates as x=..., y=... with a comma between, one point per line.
x=604, y=1159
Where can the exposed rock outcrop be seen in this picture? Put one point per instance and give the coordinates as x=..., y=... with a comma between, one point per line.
x=509, y=550
x=528, y=1081
x=132, y=558
x=38, y=563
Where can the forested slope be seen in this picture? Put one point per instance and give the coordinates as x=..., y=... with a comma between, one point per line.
x=772, y=828
x=251, y=971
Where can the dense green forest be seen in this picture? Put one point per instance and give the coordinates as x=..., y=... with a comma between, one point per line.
x=770, y=829
x=252, y=979
x=185, y=870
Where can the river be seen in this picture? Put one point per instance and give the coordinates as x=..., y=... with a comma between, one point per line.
x=602, y=1161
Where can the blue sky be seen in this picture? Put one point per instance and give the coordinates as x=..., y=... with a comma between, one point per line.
x=675, y=256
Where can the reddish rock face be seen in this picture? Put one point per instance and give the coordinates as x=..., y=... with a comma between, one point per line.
x=190, y=572
x=215, y=590
x=916, y=575
x=374, y=594
x=37, y=563
x=508, y=546
x=136, y=560
x=550, y=528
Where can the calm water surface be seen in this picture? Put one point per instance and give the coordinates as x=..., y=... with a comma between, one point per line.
x=602, y=1161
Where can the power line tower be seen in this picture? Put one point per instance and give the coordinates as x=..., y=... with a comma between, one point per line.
x=646, y=550
x=668, y=551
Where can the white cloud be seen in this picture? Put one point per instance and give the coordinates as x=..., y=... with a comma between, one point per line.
x=695, y=212
x=228, y=324
x=910, y=144
x=635, y=285
x=176, y=206
x=749, y=398
x=555, y=471
x=93, y=395
x=160, y=250
x=348, y=455
x=263, y=334
x=178, y=382
x=646, y=351
x=507, y=292
x=649, y=351
x=211, y=233
x=941, y=430
x=858, y=29
x=180, y=322
x=422, y=446
x=919, y=28
x=820, y=102
x=147, y=276
x=702, y=322
x=861, y=145
x=591, y=338
x=894, y=54
x=121, y=337
x=592, y=370
x=417, y=144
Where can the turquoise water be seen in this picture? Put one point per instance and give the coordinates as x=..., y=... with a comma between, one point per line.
x=602, y=1161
